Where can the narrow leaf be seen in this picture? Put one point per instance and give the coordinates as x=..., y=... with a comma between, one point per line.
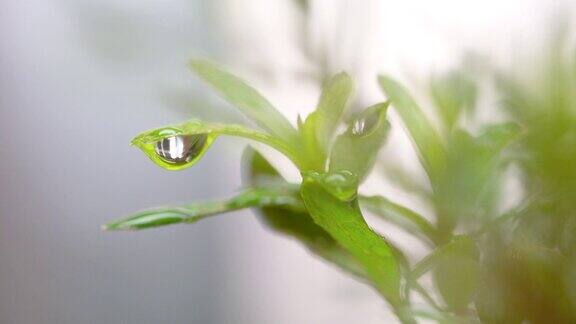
x=452, y=93
x=424, y=136
x=317, y=131
x=247, y=99
x=356, y=150
x=461, y=244
x=180, y=146
x=469, y=189
x=399, y=215
x=313, y=151
x=192, y=213
x=456, y=277
x=332, y=104
x=344, y=222
x=295, y=224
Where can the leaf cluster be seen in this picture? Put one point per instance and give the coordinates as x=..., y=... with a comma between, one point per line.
x=486, y=264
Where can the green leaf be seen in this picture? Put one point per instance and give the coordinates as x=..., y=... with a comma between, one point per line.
x=455, y=270
x=461, y=243
x=452, y=93
x=469, y=190
x=247, y=99
x=401, y=216
x=202, y=135
x=356, y=150
x=295, y=224
x=344, y=222
x=496, y=137
x=456, y=277
x=313, y=152
x=318, y=129
x=333, y=101
x=257, y=197
x=428, y=143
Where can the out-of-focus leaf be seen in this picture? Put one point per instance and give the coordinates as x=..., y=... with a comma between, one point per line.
x=492, y=304
x=356, y=150
x=246, y=98
x=192, y=213
x=204, y=135
x=452, y=93
x=333, y=101
x=496, y=300
x=523, y=282
x=344, y=222
x=296, y=224
x=461, y=243
x=468, y=191
x=318, y=130
x=455, y=271
x=430, y=148
x=402, y=177
x=406, y=218
x=496, y=137
x=456, y=277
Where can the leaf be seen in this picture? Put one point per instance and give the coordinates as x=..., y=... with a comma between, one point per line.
x=257, y=197
x=333, y=101
x=496, y=137
x=298, y=225
x=247, y=99
x=459, y=243
x=457, y=276
x=314, y=153
x=344, y=222
x=428, y=143
x=452, y=93
x=469, y=190
x=204, y=134
x=356, y=150
x=399, y=215
x=455, y=271
x=318, y=129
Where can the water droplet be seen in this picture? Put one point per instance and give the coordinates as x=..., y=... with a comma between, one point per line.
x=180, y=149
x=342, y=184
x=364, y=124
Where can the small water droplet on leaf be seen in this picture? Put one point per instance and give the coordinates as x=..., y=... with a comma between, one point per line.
x=364, y=125
x=341, y=184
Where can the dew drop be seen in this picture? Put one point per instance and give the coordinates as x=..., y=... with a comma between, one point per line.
x=364, y=125
x=180, y=149
x=342, y=184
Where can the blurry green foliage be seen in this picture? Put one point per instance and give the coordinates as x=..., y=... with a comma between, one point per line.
x=486, y=264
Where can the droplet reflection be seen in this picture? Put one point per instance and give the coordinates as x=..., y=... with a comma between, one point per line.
x=180, y=149
x=364, y=125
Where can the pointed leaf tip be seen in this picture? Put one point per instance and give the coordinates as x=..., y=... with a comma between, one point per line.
x=424, y=136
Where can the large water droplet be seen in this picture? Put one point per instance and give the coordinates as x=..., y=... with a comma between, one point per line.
x=343, y=184
x=180, y=149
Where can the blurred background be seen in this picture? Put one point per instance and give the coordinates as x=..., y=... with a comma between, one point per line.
x=79, y=78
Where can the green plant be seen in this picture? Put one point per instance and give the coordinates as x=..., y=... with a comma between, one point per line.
x=323, y=210
x=487, y=264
